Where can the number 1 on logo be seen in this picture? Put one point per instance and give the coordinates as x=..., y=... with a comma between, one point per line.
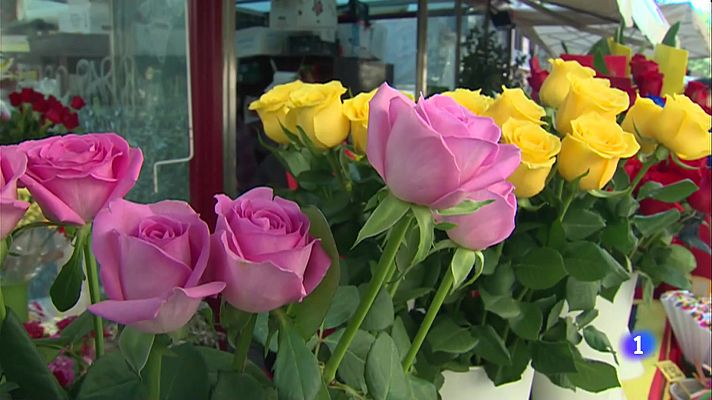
x=638, y=343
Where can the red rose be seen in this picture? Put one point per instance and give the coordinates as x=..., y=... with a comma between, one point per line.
x=700, y=94
x=65, y=323
x=34, y=329
x=77, y=103
x=70, y=120
x=701, y=200
x=28, y=95
x=39, y=105
x=652, y=206
x=650, y=83
x=15, y=99
x=537, y=77
x=632, y=166
x=55, y=115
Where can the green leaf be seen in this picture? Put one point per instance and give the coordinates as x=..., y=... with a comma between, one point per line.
x=502, y=281
x=581, y=295
x=343, y=306
x=594, y=376
x=389, y=211
x=503, y=305
x=670, y=38
x=553, y=357
x=422, y=389
x=424, y=219
x=462, y=262
x=352, y=368
x=607, y=194
x=466, y=207
x=490, y=346
x=67, y=287
x=597, y=340
x=542, y=268
x=587, y=262
x=448, y=337
x=619, y=236
x=380, y=316
x=580, y=224
x=586, y=317
x=184, y=375
x=135, y=346
x=554, y=314
x=501, y=374
x=310, y=313
x=109, y=378
x=23, y=365
x=670, y=264
x=672, y=193
x=235, y=386
x=492, y=256
x=384, y=375
x=297, y=375
x=651, y=224
x=528, y=323
x=599, y=62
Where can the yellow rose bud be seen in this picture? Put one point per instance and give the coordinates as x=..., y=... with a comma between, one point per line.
x=556, y=86
x=472, y=100
x=356, y=110
x=683, y=127
x=272, y=108
x=317, y=109
x=539, y=149
x=513, y=103
x=595, y=144
x=590, y=95
x=673, y=65
x=640, y=120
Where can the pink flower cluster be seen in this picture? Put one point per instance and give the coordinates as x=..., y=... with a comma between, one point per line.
x=158, y=261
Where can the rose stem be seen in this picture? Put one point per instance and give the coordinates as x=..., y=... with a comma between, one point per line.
x=440, y=295
x=243, y=344
x=94, y=293
x=384, y=269
x=3, y=252
x=153, y=369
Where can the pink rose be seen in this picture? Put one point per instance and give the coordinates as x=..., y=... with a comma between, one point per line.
x=152, y=258
x=435, y=152
x=72, y=177
x=262, y=249
x=490, y=224
x=12, y=166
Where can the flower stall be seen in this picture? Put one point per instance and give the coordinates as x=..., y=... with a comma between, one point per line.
x=451, y=246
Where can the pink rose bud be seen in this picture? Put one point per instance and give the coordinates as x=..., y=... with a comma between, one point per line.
x=72, y=177
x=153, y=258
x=434, y=152
x=12, y=166
x=262, y=249
x=490, y=224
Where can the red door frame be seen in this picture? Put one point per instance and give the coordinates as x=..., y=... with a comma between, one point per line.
x=206, y=66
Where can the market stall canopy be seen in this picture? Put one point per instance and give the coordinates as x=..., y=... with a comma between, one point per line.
x=694, y=20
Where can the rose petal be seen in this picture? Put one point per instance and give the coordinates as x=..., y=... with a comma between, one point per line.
x=411, y=142
x=127, y=311
x=319, y=264
x=52, y=206
x=11, y=212
x=147, y=271
x=380, y=120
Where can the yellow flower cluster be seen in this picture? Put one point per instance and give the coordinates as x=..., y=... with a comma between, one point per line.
x=317, y=109
x=34, y=213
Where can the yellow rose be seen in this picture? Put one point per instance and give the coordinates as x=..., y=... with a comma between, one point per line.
x=673, y=65
x=683, y=127
x=539, y=149
x=272, y=108
x=356, y=110
x=472, y=100
x=641, y=119
x=595, y=144
x=513, y=103
x=317, y=109
x=556, y=86
x=590, y=95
